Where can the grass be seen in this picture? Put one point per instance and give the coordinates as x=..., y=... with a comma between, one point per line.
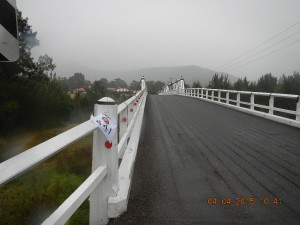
x=32, y=197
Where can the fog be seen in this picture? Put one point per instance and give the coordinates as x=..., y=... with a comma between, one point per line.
x=124, y=35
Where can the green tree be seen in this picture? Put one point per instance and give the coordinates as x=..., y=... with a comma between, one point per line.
x=117, y=83
x=196, y=84
x=220, y=82
x=134, y=85
x=290, y=84
x=267, y=83
x=154, y=87
x=241, y=84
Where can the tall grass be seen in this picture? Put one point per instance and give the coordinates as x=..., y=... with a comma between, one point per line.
x=32, y=197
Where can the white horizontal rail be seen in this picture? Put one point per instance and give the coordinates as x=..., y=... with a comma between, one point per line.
x=19, y=164
x=123, y=105
x=123, y=142
x=73, y=202
x=208, y=94
x=118, y=204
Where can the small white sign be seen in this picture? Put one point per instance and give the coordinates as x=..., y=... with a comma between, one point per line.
x=107, y=125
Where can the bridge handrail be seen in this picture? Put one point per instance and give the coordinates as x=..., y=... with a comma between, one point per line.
x=208, y=94
x=280, y=95
x=128, y=126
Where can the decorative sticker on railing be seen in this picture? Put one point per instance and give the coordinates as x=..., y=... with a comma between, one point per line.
x=107, y=125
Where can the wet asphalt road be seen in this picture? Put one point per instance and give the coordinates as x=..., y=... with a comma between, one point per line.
x=191, y=150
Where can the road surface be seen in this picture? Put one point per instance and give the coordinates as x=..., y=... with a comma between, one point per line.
x=201, y=163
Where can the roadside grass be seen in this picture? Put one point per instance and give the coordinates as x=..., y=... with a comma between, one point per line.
x=32, y=197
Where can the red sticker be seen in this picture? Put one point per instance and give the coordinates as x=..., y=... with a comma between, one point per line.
x=108, y=144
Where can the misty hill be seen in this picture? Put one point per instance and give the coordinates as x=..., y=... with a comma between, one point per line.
x=189, y=73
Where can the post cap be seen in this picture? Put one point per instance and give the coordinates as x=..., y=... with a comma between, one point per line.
x=143, y=77
x=106, y=101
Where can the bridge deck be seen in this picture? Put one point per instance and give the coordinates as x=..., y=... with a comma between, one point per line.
x=191, y=150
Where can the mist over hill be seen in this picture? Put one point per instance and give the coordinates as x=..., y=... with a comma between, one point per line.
x=189, y=73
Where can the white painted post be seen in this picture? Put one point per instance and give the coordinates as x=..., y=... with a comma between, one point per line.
x=201, y=93
x=298, y=109
x=198, y=92
x=206, y=93
x=130, y=110
x=212, y=95
x=227, y=97
x=271, y=104
x=238, y=99
x=219, y=95
x=104, y=156
x=252, y=101
x=123, y=122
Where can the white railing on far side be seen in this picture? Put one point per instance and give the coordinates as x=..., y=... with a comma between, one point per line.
x=209, y=95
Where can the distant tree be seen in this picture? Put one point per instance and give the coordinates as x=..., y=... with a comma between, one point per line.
x=134, y=85
x=154, y=87
x=28, y=97
x=99, y=87
x=267, y=83
x=196, y=84
x=46, y=66
x=290, y=84
x=76, y=81
x=186, y=85
x=220, y=82
x=117, y=83
x=241, y=84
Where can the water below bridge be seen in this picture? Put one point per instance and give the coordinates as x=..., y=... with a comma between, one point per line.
x=201, y=163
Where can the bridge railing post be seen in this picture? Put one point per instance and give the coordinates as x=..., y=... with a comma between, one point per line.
x=206, y=93
x=227, y=97
x=271, y=104
x=212, y=95
x=219, y=95
x=202, y=93
x=104, y=153
x=238, y=99
x=252, y=101
x=298, y=109
x=123, y=121
x=197, y=92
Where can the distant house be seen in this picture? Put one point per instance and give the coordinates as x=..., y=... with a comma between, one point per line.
x=77, y=90
x=123, y=90
x=111, y=89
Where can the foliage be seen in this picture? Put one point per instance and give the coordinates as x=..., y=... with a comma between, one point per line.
x=29, y=96
x=73, y=82
x=31, y=198
x=134, y=85
x=241, y=84
x=220, y=82
x=267, y=83
x=153, y=87
x=117, y=83
x=196, y=84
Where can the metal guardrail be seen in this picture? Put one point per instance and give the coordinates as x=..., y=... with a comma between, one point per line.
x=109, y=184
x=209, y=95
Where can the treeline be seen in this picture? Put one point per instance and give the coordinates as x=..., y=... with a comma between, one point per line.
x=266, y=83
x=32, y=96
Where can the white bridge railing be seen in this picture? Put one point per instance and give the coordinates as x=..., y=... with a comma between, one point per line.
x=222, y=97
x=109, y=184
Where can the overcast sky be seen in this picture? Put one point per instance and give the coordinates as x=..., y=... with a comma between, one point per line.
x=123, y=35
